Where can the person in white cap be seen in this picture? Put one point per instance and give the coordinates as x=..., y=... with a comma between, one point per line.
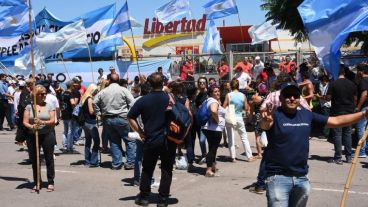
x=258, y=67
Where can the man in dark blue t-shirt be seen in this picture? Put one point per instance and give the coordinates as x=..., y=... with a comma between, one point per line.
x=152, y=109
x=286, y=156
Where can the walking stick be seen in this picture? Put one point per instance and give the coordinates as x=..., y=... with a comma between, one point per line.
x=352, y=169
x=38, y=167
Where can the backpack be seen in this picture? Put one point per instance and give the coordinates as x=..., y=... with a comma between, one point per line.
x=203, y=114
x=179, y=121
x=78, y=115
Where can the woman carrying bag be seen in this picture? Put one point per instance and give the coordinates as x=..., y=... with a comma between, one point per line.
x=90, y=127
x=239, y=101
x=44, y=124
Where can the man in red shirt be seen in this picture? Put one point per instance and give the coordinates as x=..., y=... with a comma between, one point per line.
x=288, y=66
x=186, y=71
x=223, y=71
x=245, y=65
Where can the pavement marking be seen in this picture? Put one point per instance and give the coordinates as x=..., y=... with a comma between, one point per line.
x=339, y=191
x=62, y=171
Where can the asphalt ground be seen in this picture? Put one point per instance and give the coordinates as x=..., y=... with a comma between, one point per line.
x=77, y=185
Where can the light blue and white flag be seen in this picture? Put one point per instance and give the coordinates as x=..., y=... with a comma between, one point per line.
x=14, y=21
x=70, y=37
x=121, y=21
x=25, y=60
x=109, y=42
x=329, y=23
x=134, y=22
x=220, y=8
x=212, y=40
x=263, y=32
x=13, y=2
x=172, y=10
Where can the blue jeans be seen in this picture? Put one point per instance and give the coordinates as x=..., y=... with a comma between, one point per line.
x=68, y=134
x=189, y=145
x=77, y=132
x=12, y=115
x=360, y=127
x=91, y=132
x=287, y=191
x=342, y=136
x=138, y=162
x=117, y=128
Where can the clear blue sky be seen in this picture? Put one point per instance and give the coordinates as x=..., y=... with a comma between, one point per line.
x=249, y=10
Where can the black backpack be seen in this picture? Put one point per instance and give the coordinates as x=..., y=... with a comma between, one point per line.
x=179, y=121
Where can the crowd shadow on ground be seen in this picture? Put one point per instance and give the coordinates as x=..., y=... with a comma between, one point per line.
x=319, y=158
x=153, y=199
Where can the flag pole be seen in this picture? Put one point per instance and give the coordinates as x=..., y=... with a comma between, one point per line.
x=193, y=62
x=135, y=50
x=90, y=57
x=38, y=173
x=241, y=29
x=66, y=70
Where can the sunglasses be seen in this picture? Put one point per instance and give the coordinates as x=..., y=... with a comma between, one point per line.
x=289, y=95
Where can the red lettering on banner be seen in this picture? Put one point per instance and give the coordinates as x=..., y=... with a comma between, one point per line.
x=173, y=27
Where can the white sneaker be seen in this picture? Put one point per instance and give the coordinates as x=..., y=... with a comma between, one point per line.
x=155, y=185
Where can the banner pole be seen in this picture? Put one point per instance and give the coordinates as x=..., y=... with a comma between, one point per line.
x=66, y=70
x=139, y=71
x=193, y=61
x=90, y=57
x=38, y=170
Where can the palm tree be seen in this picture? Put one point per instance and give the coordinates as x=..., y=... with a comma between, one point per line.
x=286, y=15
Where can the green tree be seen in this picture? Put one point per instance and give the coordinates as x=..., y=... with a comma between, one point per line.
x=285, y=13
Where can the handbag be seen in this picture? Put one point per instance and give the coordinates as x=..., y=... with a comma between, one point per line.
x=230, y=119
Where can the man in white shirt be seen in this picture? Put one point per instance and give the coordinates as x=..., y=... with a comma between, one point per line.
x=101, y=77
x=243, y=78
x=258, y=67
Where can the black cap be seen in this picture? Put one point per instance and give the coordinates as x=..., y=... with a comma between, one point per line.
x=290, y=88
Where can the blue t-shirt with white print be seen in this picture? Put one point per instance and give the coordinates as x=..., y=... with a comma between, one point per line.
x=288, y=142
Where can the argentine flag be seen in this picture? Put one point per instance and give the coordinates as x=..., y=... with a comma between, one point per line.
x=12, y=2
x=220, y=8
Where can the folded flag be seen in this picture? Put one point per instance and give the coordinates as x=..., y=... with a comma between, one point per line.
x=172, y=10
x=263, y=32
x=220, y=8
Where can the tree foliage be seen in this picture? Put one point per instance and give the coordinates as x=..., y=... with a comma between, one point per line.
x=286, y=15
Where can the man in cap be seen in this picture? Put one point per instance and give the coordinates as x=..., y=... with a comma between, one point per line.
x=258, y=67
x=286, y=157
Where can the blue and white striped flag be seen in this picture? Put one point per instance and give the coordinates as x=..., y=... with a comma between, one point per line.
x=220, y=8
x=121, y=21
x=172, y=10
x=212, y=40
x=14, y=21
x=328, y=23
x=12, y=2
x=263, y=32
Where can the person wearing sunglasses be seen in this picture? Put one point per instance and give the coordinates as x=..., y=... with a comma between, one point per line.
x=44, y=123
x=288, y=128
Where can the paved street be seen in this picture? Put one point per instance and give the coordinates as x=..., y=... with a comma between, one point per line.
x=76, y=185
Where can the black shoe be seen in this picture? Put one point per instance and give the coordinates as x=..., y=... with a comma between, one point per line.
x=162, y=202
x=116, y=168
x=141, y=200
x=257, y=189
x=1, y=129
x=349, y=159
x=337, y=161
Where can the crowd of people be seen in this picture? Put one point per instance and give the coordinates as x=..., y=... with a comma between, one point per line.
x=284, y=105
